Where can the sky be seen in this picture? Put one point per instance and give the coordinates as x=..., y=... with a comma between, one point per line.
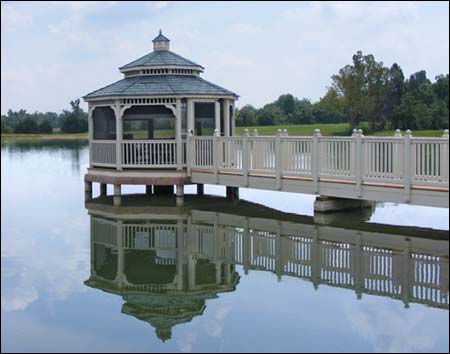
x=55, y=52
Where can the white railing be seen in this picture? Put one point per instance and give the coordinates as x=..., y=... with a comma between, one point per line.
x=103, y=152
x=397, y=159
x=149, y=153
x=403, y=160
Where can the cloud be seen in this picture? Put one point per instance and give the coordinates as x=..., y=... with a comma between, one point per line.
x=13, y=20
x=186, y=342
x=83, y=5
x=257, y=51
x=214, y=326
x=243, y=29
x=160, y=4
x=392, y=330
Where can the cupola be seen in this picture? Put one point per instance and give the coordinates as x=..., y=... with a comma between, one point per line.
x=161, y=42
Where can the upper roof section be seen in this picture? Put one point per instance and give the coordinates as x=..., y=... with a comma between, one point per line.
x=162, y=58
x=161, y=85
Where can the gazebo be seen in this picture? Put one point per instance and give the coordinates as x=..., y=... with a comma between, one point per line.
x=138, y=126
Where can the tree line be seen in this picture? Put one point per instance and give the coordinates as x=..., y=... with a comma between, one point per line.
x=364, y=91
x=74, y=120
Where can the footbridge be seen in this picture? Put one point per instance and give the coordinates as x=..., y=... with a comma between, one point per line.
x=400, y=168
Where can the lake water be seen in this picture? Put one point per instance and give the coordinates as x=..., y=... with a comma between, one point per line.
x=259, y=275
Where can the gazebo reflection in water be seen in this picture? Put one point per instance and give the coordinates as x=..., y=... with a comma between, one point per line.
x=167, y=261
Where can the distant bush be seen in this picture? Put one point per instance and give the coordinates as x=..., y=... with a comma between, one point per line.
x=73, y=124
x=367, y=130
x=45, y=127
x=26, y=126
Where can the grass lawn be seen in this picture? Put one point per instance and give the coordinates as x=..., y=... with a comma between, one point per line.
x=341, y=129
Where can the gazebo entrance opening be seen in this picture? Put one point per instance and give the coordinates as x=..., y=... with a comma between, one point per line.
x=149, y=135
x=204, y=118
x=148, y=123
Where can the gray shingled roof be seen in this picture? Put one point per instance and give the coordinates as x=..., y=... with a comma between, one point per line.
x=160, y=85
x=161, y=58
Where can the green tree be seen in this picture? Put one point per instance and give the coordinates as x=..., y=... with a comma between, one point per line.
x=45, y=127
x=286, y=103
x=26, y=126
x=395, y=88
x=330, y=108
x=75, y=121
x=268, y=115
x=246, y=116
x=351, y=84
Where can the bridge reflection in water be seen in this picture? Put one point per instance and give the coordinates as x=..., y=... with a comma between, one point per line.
x=166, y=261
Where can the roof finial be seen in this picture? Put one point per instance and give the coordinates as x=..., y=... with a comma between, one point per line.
x=160, y=32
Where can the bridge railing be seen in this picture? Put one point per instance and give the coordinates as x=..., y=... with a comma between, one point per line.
x=399, y=159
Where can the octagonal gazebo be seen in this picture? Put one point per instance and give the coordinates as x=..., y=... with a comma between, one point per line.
x=138, y=125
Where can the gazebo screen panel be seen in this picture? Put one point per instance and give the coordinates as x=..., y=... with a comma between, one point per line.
x=204, y=120
x=104, y=123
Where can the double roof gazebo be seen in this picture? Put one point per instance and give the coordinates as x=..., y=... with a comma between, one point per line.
x=138, y=125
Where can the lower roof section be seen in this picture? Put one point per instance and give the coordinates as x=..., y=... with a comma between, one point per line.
x=160, y=85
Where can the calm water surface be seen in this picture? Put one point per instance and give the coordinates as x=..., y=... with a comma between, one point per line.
x=212, y=276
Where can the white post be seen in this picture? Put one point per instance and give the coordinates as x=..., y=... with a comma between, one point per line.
x=178, y=134
x=278, y=158
x=279, y=259
x=119, y=134
x=233, y=119
x=444, y=158
x=245, y=156
x=90, y=131
x=315, y=159
x=180, y=255
x=398, y=158
x=190, y=115
x=226, y=117
x=407, y=165
x=120, y=256
x=358, y=162
x=190, y=146
x=217, y=116
x=216, y=155
x=246, y=247
x=406, y=272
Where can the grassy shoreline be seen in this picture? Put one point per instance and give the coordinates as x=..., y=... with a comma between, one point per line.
x=340, y=129
x=49, y=137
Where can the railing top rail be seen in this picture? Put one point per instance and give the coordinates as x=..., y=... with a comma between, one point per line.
x=296, y=137
x=196, y=137
x=151, y=141
x=104, y=141
x=429, y=139
x=383, y=138
x=336, y=138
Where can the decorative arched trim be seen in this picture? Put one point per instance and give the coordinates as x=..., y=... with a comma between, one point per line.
x=172, y=107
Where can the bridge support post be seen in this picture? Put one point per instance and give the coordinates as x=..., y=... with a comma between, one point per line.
x=233, y=193
x=330, y=204
x=87, y=191
x=180, y=195
x=149, y=189
x=117, y=195
x=200, y=189
x=103, y=191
